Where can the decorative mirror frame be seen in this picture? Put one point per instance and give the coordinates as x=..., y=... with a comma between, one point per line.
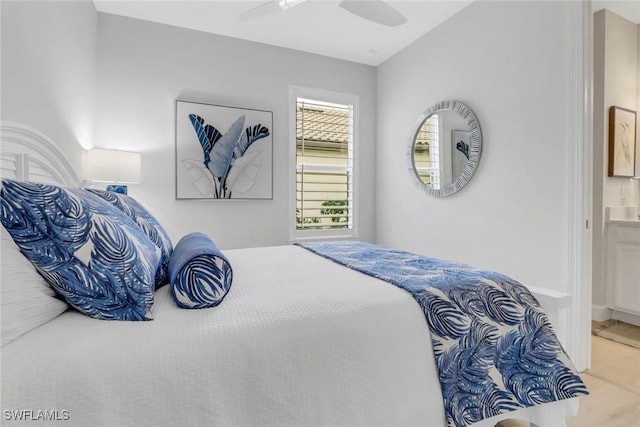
x=475, y=142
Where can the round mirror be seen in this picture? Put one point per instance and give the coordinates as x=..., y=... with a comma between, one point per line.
x=445, y=148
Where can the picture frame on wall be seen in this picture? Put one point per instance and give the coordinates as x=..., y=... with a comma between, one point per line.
x=460, y=145
x=622, y=142
x=223, y=152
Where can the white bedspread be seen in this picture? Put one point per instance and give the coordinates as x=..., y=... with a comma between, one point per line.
x=299, y=340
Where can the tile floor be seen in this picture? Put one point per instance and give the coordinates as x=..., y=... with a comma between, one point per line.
x=614, y=386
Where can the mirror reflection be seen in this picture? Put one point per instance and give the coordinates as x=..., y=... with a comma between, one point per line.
x=446, y=148
x=441, y=148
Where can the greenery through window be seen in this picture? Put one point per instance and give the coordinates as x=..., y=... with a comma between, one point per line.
x=324, y=165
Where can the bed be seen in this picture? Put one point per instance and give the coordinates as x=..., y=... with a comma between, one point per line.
x=298, y=340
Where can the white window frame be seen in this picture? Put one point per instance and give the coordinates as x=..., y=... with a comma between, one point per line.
x=296, y=235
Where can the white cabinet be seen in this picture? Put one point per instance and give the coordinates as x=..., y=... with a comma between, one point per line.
x=623, y=266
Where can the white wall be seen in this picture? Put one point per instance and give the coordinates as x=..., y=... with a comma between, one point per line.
x=144, y=67
x=616, y=82
x=621, y=89
x=509, y=62
x=48, y=70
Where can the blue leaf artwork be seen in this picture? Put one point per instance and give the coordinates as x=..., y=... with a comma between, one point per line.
x=463, y=147
x=207, y=135
x=227, y=165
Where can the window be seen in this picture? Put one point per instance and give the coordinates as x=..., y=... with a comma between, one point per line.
x=427, y=152
x=324, y=184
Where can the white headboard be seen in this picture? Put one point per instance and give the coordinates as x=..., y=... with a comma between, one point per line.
x=28, y=155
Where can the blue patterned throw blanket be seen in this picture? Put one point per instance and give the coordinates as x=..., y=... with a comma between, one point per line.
x=494, y=347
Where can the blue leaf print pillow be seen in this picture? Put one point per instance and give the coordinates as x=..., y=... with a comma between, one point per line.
x=147, y=222
x=92, y=255
x=200, y=275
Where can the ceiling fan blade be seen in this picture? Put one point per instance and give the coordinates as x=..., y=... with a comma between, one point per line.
x=375, y=11
x=259, y=11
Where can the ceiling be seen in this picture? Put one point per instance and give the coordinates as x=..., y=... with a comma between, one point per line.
x=316, y=26
x=629, y=9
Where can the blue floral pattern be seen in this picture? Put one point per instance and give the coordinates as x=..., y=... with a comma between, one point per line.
x=92, y=255
x=494, y=347
x=147, y=222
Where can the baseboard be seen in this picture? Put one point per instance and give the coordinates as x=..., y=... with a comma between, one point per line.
x=633, y=319
x=600, y=313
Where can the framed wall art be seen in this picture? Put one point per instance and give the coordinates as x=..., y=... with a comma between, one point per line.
x=223, y=152
x=460, y=151
x=622, y=142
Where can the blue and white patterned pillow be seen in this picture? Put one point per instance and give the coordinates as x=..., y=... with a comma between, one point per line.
x=147, y=222
x=94, y=256
x=200, y=275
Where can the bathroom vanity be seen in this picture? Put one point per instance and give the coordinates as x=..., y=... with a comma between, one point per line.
x=623, y=262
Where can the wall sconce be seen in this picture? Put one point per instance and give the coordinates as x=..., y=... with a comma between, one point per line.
x=114, y=166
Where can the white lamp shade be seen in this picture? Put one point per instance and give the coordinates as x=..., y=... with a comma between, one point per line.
x=114, y=166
